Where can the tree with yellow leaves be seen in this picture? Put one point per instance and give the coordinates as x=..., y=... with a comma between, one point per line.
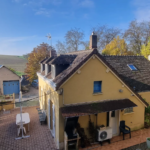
x=38, y=53
x=116, y=47
x=145, y=50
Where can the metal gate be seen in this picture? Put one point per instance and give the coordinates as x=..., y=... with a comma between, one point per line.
x=10, y=87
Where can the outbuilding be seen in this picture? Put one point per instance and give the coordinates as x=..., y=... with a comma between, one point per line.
x=9, y=81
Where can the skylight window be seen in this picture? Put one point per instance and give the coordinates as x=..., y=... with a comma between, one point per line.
x=132, y=67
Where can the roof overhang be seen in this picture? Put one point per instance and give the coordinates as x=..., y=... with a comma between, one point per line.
x=48, y=81
x=96, y=107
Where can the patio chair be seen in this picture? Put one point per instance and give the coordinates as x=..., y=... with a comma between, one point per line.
x=42, y=118
x=124, y=129
x=21, y=127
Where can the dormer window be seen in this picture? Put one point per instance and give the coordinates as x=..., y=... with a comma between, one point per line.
x=132, y=67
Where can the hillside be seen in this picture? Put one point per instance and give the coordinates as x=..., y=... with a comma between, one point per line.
x=16, y=62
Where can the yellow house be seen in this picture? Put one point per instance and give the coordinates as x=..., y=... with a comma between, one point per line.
x=89, y=86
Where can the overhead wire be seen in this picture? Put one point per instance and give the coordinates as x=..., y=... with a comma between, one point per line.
x=27, y=99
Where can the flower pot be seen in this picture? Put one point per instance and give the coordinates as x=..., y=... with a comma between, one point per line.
x=148, y=142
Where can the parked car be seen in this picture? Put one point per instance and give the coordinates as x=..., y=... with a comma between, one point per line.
x=35, y=83
x=25, y=84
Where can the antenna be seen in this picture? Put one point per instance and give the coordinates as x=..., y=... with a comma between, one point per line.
x=49, y=37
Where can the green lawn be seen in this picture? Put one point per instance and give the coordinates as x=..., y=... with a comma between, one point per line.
x=28, y=103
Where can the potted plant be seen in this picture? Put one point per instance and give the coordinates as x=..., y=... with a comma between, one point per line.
x=148, y=142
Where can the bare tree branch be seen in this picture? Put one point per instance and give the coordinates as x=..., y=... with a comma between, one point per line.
x=105, y=35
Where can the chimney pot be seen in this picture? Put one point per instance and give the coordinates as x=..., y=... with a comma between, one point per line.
x=93, y=41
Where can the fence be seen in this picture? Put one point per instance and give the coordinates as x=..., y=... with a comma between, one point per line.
x=7, y=102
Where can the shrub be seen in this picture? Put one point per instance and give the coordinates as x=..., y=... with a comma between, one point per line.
x=147, y=110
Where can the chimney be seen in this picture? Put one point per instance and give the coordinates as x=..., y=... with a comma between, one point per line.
x=93, y=41
x=53, y=53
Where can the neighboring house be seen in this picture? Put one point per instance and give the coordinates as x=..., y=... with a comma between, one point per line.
x=9, y=81
x=86, y=83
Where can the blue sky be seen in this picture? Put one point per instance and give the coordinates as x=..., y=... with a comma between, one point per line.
x=25, y=23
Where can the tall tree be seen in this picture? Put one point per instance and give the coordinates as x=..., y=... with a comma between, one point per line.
x=86, y=45
x=105, y=35
x=38, y=53
x=137, y=34
x=61, y=47
x=145, y=50
x=74, y=38
x=116, y=47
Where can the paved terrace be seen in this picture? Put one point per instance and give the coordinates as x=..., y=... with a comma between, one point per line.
x=117, y=143
x=40, y=139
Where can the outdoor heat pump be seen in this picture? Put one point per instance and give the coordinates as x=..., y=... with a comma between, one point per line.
x=104, y=134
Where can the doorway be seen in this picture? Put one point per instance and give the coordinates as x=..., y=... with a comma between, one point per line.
x=114, y=122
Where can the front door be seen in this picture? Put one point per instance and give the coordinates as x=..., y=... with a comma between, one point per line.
x=114, y=122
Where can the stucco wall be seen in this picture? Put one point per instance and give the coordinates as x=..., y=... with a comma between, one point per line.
x=7, y=75
x=146, y=96
x=79, y=89
x=53, y=96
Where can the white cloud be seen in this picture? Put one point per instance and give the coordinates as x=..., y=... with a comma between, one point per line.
x=15, y=39
x=43, y=11
x=16, y=1
x=87, y=3
x=16, y=45
x=142, y=12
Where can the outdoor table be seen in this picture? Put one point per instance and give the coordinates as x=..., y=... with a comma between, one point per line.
x=25, y=119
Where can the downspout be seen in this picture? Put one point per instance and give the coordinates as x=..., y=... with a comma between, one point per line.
x=63, y=97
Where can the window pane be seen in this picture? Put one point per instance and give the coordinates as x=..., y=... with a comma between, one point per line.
x=128, y=110
x=97, y=86
x=132, y=67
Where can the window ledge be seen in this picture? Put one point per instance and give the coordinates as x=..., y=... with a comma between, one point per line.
x=99, y=93
x=128, y=113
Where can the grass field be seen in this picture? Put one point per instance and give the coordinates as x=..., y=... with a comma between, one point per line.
x=18, y=63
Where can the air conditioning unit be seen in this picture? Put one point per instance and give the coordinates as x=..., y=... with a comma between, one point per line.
x=104, y=134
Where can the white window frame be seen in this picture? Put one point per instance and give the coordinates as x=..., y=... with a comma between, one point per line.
x=133, y=66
